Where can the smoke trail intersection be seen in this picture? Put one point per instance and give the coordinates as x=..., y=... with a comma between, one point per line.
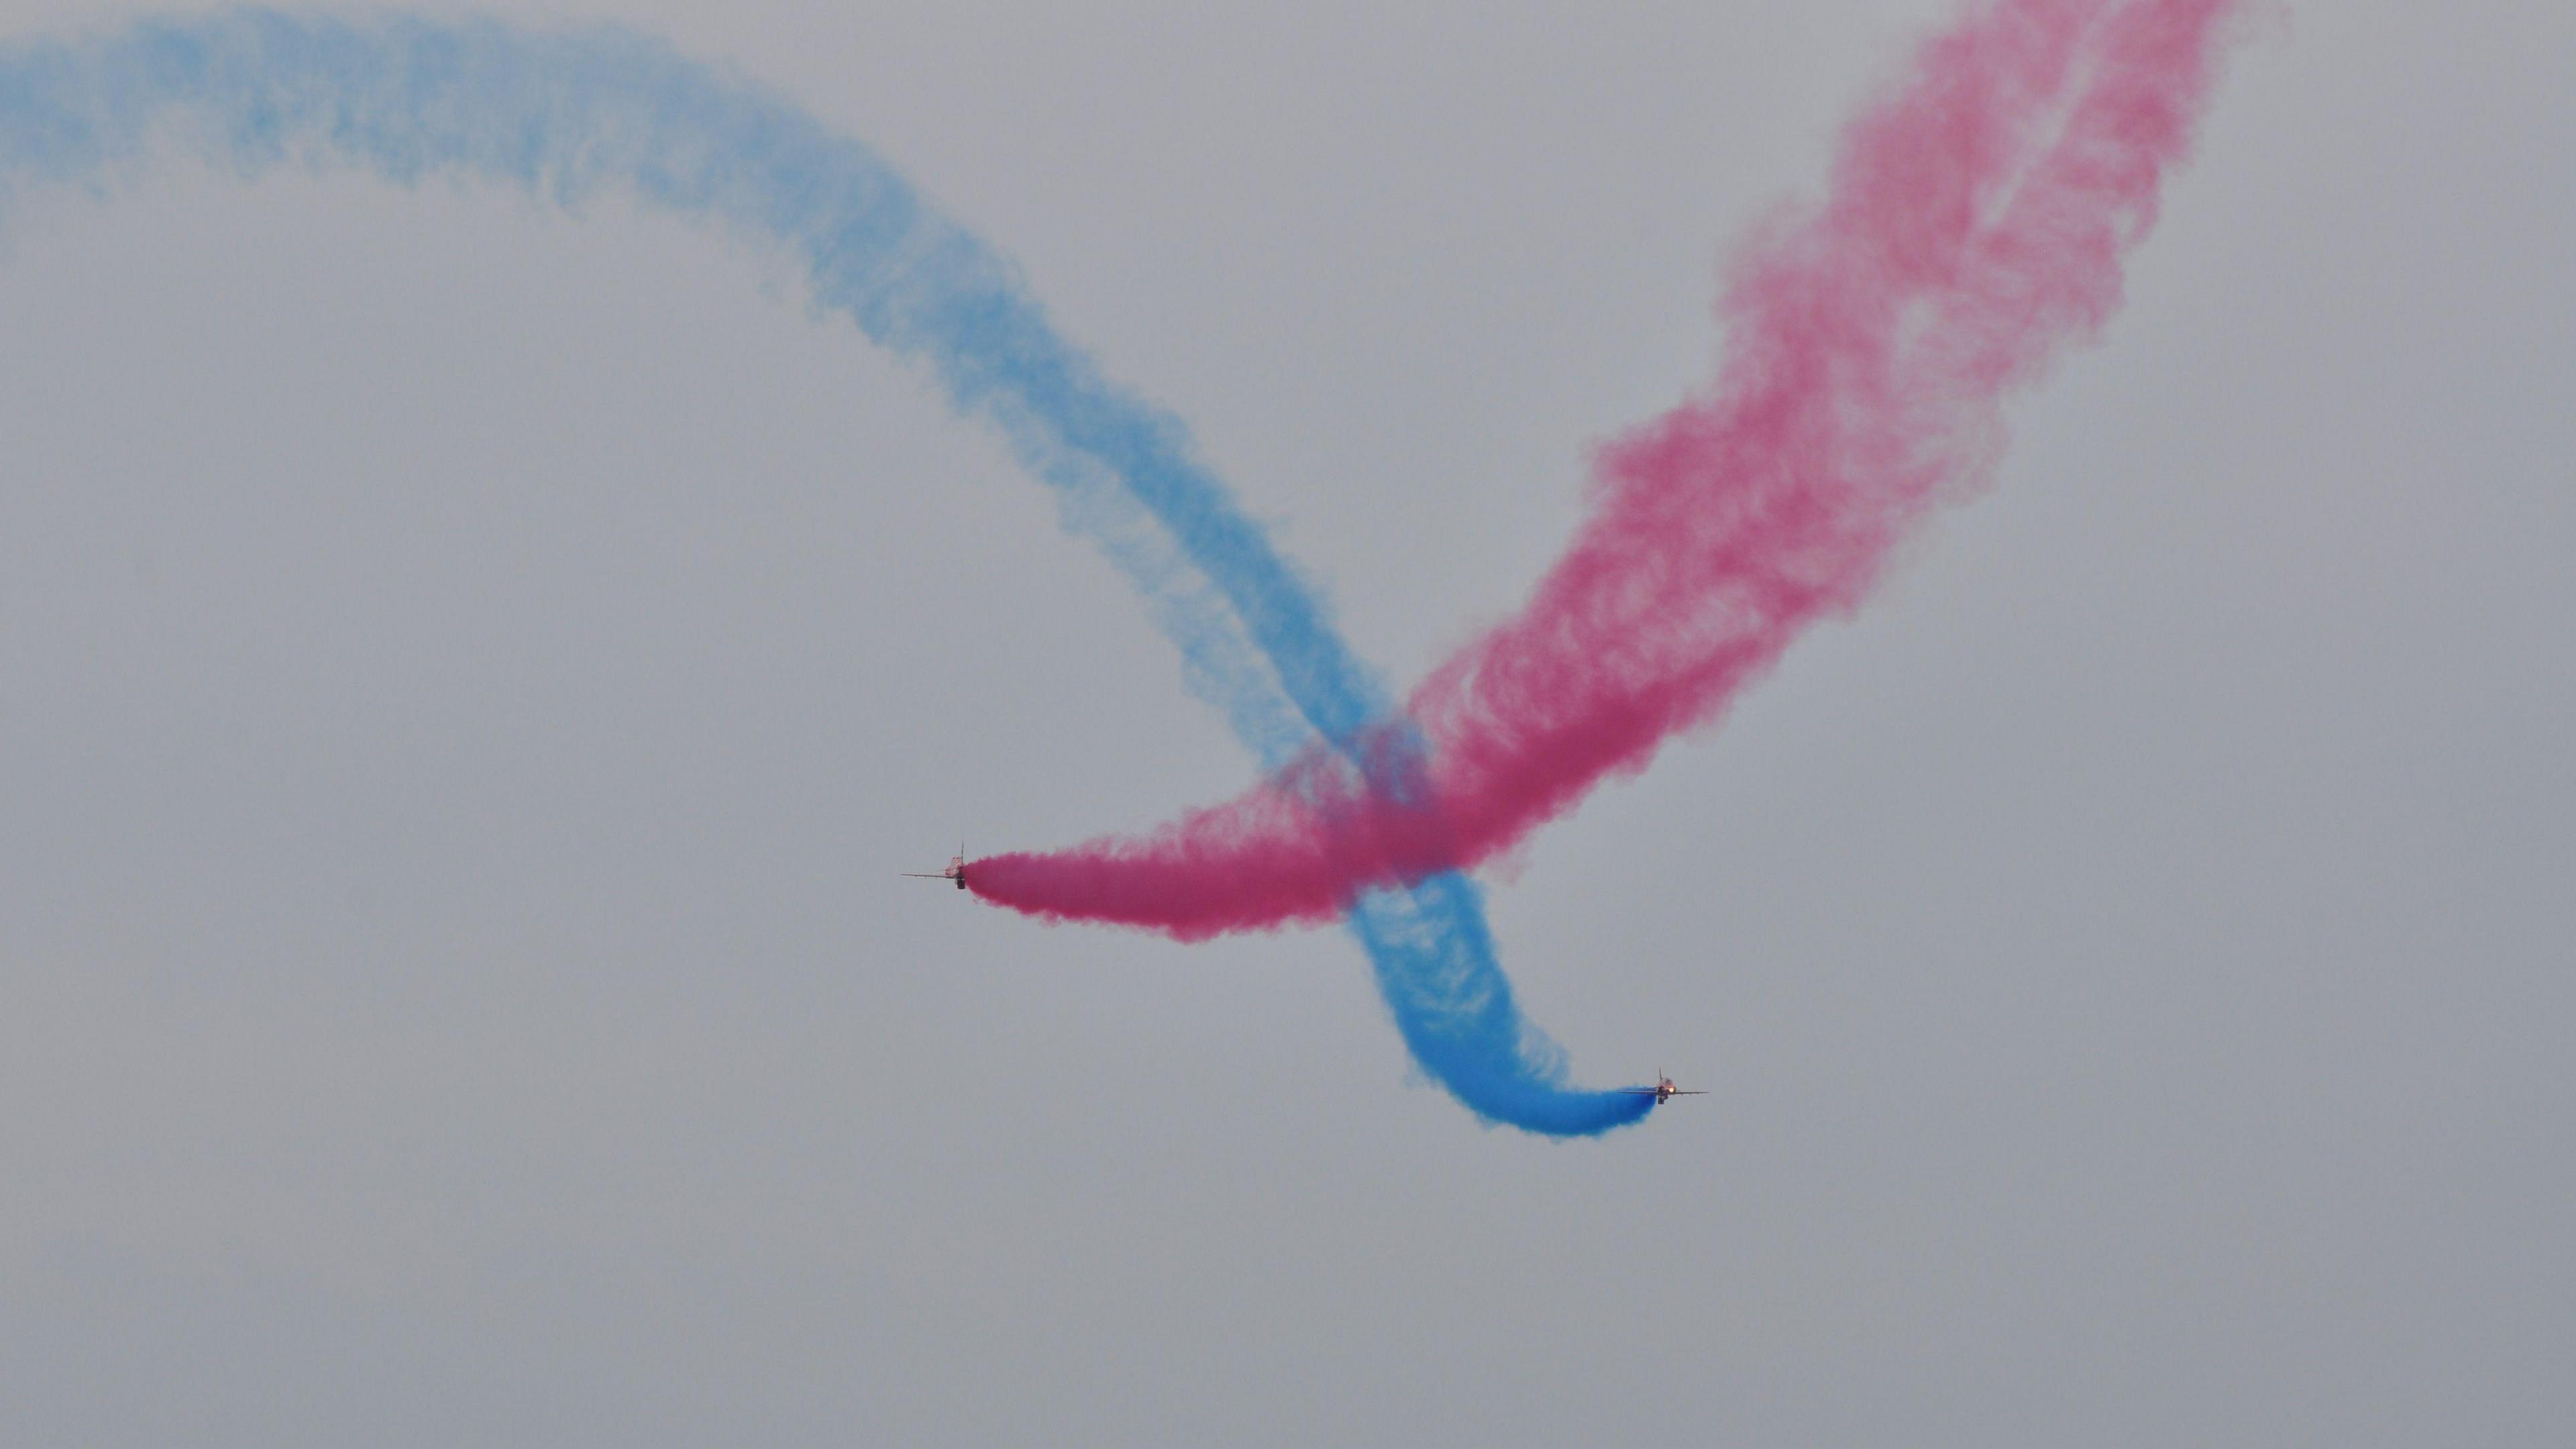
x=1979, y=213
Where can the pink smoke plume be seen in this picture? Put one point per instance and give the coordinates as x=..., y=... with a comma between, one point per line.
x=1974, y=228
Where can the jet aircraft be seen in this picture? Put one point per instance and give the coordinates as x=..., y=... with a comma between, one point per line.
x=1662, y=1091
x=956, y=870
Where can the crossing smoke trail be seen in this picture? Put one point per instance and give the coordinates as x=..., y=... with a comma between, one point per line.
x=1975, y=226
x=574, y=113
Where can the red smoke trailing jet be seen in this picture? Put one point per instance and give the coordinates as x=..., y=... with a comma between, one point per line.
x=1662, y=1091
x=956, y=870
x=1976, y=229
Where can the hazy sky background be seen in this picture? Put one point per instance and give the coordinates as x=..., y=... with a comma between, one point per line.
x=469, y=675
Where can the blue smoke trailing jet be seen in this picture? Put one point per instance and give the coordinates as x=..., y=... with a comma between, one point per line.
x=568, y=113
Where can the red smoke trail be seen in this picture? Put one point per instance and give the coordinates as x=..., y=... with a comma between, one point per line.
x=1975, y=226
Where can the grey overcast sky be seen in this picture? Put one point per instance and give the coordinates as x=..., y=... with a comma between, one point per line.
x=469, y=675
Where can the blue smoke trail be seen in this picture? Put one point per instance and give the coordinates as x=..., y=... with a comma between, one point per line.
x=571, y=113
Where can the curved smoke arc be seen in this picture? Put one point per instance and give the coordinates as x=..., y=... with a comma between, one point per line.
x=568, y=113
